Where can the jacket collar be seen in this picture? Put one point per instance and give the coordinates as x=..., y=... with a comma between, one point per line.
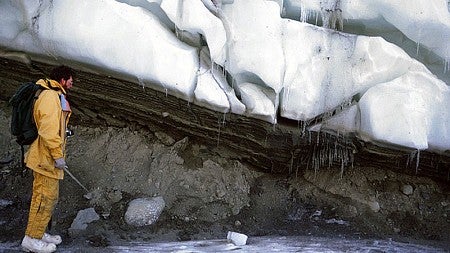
x=51, y=84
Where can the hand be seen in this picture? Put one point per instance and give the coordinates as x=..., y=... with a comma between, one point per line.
x=60, y=163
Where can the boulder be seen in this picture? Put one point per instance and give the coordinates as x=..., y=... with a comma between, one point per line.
x=144, y=211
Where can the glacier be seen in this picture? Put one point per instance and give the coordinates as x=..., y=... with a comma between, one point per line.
x=383, y=76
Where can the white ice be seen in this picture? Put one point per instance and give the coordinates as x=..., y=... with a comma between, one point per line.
x=285, y=244
x=243, y=57
x=426, y=22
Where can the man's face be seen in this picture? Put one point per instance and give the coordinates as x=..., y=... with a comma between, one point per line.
x=67, y=84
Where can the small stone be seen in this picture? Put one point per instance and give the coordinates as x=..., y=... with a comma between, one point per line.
x=407, y=189
x=352, y=211
x=165, y=138
x=5, y=203
x=237, y=223
x=374, y=206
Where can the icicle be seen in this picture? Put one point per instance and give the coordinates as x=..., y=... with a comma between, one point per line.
x=224, y=72
x=335, y=147
x=224, y=118
x=179, y=17
x=410, y=158
x=218, y=133
x=417, y=48
x=317, y=18
x=304, y=125
x=331, y=14
x=331, y=156
x=315, y=163
x=141, y=82
x=304, y=13
x=446, y=66
x=292, y=162
x=165, y=89
x=417, y=160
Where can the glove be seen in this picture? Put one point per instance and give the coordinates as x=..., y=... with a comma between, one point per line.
x=60, y=163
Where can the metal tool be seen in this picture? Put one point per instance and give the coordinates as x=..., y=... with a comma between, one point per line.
x=66, y=169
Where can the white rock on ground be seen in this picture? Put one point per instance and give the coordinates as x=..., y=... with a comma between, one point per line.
x=144, y=211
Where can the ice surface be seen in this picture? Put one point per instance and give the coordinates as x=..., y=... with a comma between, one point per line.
x=255, y=244
x=193, y=16
x=110, y=35
x=411, y=111
x=244, y=58
x=344, y=122
x=258, y=101
x=256, y=51
x=208, y=92
x=425, y=22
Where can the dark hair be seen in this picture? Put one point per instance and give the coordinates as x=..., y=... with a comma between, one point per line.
x=62, y=72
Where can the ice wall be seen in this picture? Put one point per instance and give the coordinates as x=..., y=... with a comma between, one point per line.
x=247, y=58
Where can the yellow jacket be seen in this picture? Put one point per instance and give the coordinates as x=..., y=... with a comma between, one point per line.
x=51, y=122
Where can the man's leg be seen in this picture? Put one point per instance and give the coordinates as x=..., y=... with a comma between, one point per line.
x=43, y=202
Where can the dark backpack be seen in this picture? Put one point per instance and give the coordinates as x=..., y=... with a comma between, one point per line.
x=22, y=120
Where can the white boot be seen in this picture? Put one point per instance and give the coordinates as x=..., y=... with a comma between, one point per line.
x=48, y=238
x=35, y=245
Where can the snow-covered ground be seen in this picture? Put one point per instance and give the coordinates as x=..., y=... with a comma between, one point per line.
x=255, y=244
x=258, y=59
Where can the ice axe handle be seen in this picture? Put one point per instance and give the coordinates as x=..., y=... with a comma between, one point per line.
x=66, y=169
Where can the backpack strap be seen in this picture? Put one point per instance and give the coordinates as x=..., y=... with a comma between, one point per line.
x=22, y=149
x=24, y=168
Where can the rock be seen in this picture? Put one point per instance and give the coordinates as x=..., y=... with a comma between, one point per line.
x=144, y=211
x=407, y=189
x=351, y=211
x=164, y=138
x=4, y=203
x=374, y=206
x=114, y=196
x=84, y=217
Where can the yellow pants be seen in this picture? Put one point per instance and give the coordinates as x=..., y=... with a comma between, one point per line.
x=43, y=202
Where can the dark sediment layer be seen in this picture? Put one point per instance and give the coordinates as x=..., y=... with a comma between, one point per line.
x=282, y=148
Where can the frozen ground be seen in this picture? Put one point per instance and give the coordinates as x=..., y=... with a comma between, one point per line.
x=255, y=244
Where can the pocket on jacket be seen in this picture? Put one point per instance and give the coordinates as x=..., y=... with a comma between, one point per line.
x=46, y=166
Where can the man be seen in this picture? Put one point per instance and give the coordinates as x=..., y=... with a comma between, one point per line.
x=46, y=157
